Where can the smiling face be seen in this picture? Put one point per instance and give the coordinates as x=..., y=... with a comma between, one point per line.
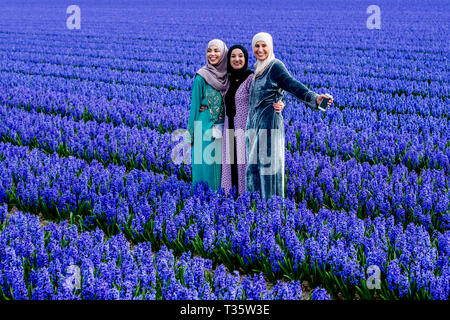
x=237, y=59
x=261, y=50
x=213, y=55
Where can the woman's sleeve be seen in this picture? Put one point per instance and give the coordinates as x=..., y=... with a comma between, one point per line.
x=196, y=99
x=249, y=82
x=286, y=82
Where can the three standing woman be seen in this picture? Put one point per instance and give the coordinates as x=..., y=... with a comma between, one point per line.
x=241, y=101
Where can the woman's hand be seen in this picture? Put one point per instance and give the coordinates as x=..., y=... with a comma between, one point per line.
x=320, y=98
x=202, y=108
x=278, y=106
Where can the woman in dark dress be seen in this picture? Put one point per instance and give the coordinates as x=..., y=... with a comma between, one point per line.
x=265, y=127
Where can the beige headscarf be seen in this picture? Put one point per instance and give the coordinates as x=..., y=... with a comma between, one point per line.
x=262, y=65
x=216, y=75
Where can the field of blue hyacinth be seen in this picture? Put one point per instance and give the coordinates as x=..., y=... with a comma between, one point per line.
x=87, y=179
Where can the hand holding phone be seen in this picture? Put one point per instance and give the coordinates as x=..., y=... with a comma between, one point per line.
x=323, y=105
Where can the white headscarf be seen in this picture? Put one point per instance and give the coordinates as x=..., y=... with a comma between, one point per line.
x=262, y=65
x=216, y=75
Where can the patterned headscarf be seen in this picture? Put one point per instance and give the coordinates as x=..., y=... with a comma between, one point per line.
x=216, y=75
x=262, y=65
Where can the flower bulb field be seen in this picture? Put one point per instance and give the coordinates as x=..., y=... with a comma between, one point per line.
x=94, y=205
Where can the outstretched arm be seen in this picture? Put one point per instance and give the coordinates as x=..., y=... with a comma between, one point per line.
x=285, y=81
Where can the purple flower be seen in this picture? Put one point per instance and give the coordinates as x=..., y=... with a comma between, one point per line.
x=320, y=294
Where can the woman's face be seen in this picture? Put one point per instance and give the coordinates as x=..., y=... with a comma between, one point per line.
x=213, y=55
x=237, y=59
x=261, y=50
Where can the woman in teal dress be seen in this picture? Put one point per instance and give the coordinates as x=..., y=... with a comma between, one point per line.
x=205, y=136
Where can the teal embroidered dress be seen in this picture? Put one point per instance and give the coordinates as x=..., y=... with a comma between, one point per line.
x=206, y=151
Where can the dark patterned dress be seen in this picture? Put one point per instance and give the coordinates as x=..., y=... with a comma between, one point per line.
x=240, y=120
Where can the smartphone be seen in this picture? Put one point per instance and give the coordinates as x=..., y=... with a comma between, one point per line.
x=323, y=104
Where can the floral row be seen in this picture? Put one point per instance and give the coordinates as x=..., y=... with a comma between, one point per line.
x=278, y=237
x=345, y=52
x=169, y=118
x=372, y=145
x=59, y=262
x=134, y=148
x=370, y=189
x=147, y=148
x=143, y=94
x=404, y=69
x=171, y=81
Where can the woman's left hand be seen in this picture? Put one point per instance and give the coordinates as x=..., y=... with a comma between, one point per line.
x=320, y=98
x=278, y=106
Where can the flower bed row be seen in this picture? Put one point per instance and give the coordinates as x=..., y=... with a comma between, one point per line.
x=169, y=118
x=279, y=238
x=370, y=191
x=168, y=61
x=348, y=97
x=180, y=82
x=155, y=115
x=60, y=262
x=148, y=148
x=320, y=180
x=132, y=147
